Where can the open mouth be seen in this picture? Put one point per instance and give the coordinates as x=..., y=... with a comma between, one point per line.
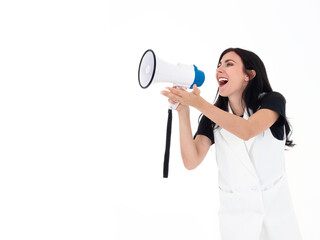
x=222, y=82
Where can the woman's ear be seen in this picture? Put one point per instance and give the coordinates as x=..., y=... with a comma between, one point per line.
x=251, y=75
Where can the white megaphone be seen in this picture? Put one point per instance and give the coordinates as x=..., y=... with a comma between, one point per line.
x=153, y=70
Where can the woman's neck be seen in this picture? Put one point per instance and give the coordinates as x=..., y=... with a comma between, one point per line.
x=237, y=105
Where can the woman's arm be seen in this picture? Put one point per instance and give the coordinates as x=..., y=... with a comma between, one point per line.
x=242, y=128
x=193, y=151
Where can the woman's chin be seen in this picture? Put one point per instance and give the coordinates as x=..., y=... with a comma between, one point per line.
x=222, y=94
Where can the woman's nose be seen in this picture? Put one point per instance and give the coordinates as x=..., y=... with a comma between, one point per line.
x=219, y=70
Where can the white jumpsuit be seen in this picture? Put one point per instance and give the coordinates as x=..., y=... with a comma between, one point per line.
x=255, y=202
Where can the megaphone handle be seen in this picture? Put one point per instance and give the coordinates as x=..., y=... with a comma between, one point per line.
x=173, y=106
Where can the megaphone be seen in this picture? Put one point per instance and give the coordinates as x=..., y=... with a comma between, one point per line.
x=152, y=70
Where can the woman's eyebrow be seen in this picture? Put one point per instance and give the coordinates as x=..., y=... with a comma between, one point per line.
x=227, y=61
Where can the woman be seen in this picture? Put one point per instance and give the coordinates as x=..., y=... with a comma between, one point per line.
x=248, y=126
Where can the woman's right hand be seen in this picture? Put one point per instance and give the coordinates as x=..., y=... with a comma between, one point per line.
x=181, y=108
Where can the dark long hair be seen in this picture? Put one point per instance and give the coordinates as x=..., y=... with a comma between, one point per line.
x=255, y=87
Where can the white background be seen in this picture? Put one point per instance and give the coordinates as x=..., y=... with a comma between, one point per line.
x=81, y=144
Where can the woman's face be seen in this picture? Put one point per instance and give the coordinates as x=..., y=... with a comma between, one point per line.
x=231, y=78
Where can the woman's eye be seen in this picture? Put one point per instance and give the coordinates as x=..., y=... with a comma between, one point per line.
x=228, y=64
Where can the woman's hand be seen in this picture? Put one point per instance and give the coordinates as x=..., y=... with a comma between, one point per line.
x=181, y=108
x=183, y=97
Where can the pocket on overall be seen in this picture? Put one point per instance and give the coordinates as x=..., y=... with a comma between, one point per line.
x=240, y=202
x=240, y=215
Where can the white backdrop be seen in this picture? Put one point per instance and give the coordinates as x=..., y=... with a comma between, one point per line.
x=81, y=144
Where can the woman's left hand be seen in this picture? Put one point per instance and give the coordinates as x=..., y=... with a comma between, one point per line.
x=183, y=97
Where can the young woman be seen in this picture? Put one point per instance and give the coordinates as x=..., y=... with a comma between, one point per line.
x=249, y=128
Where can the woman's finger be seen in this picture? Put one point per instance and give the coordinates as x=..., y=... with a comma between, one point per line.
x=171, y=96
x=165, y=93
x=196, y=90
x=175, y=90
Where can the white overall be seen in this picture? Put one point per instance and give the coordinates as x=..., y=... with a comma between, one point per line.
x=255, y=202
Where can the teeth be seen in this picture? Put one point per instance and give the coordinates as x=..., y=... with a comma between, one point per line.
x=222, y=79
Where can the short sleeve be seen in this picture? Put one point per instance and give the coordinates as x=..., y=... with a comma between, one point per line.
x=276, y=102
x=205, y=128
